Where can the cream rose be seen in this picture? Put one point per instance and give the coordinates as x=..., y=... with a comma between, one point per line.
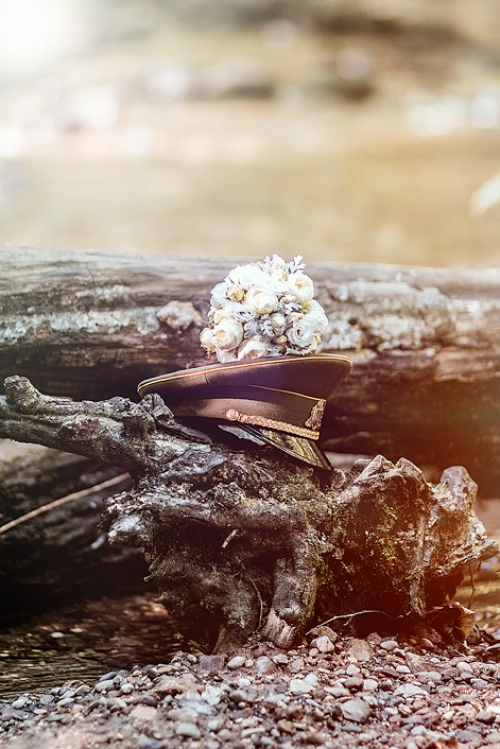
x=228, y=334
x=207, y=340
x=246, y=276
x=218, y=296
x=317, y=317
x=261, y=301
x=301, y=286
x=235, y=293
x=253, y=348
x=302, y=333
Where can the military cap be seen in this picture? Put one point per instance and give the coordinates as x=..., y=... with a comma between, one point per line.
x=277, y=400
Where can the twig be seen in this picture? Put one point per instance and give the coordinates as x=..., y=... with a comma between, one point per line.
x=63, y=500
x=349, y=617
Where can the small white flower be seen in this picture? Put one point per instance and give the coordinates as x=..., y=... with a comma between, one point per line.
x=301, y=334
x=247, y=276
x=261, y=300
x=235, y=310
x=228, y=334
x=225, y=356
x=235, y=293
x=301, y=286
x=317, y=316
x=207, y=340
x=253, y=348
x=218, y=297
x=278, y=321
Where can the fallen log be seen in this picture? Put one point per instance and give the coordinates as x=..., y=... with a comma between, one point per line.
x=425, y=344
x=250, y=543
x=51, y=557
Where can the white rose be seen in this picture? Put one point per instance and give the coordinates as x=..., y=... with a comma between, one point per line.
x=253, y=348
x=279, y=285
x=225, y=356
x=218, y=296
x=317, y=317
x=278, y=321
x=301, y=286
x=207, y=340
x=261, y=300
x=301, y=334
x=247, y=276
x=228, y=334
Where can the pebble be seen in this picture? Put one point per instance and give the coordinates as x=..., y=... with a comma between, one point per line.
x=356, y=710
x=351, y=693
x=237, y=662
x=188, y=729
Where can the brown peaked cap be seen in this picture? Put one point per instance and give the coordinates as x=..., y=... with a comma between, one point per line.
x=280, y=399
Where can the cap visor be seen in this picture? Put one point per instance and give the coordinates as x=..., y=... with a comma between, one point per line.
x=300, y=448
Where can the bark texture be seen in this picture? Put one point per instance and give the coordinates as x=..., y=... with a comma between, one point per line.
x=425, y=344
x=246, y=543
x=62, y=554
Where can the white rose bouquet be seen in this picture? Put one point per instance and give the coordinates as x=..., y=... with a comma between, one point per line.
x=264, y=309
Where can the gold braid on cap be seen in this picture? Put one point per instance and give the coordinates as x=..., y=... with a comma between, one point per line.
x=281, y=426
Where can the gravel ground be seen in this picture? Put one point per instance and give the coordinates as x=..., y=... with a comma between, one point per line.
x=328, y=692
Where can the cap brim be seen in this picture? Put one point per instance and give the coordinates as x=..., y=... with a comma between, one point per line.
x=298, y=447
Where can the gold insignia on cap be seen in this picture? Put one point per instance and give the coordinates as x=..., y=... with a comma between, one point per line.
x=316, y=416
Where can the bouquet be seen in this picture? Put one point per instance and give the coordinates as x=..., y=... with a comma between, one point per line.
x=264, y=308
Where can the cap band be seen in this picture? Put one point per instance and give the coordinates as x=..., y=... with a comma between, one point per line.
x=260, y=421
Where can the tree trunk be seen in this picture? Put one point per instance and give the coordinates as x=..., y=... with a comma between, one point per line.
x=249, y=543
x=425, y=344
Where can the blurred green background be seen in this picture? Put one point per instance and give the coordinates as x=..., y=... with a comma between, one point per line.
x=353, y=131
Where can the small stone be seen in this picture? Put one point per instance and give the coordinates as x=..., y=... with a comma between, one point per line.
x=400, y=669
x=143, y=713
x=145, y=742
x=354, y=683
x=316, y=738
x=409, y=690
x=237, y=662
x=182, y=715
x=370, y=685
x=324, y=631
x=300, y=686
x=485, y=716
x=104, y=686
x=189, y=730
x=20, y=703
x=211, y=664
x=265, y=666
x=173, y=685
x=389, y=645
x=323, y=644
x=108, y=677
x=359, y=650
x=298, y=664
x=215, y=724
x=285, y=726
x=281, y=659
x=352, y=670
x=356, y=710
